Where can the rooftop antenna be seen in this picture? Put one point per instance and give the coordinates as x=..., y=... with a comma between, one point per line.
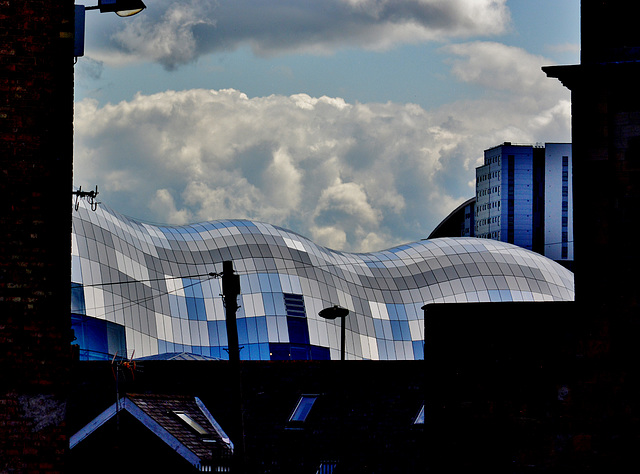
x=90, y=196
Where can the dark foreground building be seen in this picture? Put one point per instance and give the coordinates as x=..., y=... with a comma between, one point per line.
x=605, y=101
x=509, y=387
x=527, y=388
x=298, y=416
x=36, y=139
x=606, y=133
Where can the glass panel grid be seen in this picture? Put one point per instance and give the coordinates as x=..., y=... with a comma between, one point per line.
x=169, y=297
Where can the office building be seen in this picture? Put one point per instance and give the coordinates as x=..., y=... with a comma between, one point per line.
x=524, y=196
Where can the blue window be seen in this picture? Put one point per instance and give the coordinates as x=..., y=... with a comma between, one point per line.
x=298, y=330
x=283, y=351
x=279, y=351
x=196, y=309
x=419, y=420
x=252, y=330
x=243, y=337
x=320, y=353
x=77, y=299
x=262, y=333
x=98, y=339
x=418, y=349
x=269, y=306
x=305, y=403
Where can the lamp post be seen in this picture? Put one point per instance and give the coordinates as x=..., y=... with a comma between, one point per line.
x=121, y=8
x=334, y=312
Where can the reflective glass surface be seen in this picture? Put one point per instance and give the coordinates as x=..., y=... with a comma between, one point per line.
x=156, y=282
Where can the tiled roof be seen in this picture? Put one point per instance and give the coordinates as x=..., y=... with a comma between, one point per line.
x=194, y=436
x=163, y=408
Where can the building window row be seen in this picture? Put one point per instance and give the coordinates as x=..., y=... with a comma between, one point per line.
x=490, y=235
x=484, y=207
x=492, y=159
x=488, y=191
x=484, y=177
x=565, y=208
x=491, y=220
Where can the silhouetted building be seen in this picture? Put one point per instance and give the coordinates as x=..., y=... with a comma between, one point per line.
x=501, y=382
x=36, y=140
x=606, y=136
x=298, y=416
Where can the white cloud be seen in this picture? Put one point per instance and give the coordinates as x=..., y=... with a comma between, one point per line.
x=500, y=67
x=178, y=32
x=351, y=176
x=170, y=39
x=165, y=205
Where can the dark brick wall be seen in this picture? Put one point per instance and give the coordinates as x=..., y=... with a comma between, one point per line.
x=36, y=138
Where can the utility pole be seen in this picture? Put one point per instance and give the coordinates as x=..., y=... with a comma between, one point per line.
x=230, y=293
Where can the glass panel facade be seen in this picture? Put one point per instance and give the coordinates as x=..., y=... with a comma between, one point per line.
x=98, y=339
x=158, y=285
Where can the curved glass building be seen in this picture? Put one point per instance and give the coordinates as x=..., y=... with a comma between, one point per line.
x=155, y=289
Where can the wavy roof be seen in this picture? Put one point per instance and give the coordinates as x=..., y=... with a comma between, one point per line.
x=155, y=280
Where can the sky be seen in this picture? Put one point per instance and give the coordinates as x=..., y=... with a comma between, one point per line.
x=355, y=123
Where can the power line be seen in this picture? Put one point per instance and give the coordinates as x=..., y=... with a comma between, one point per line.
x=130, y=303
x=125, y=282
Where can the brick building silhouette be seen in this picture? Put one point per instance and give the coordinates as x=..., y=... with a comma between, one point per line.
x=36, y=137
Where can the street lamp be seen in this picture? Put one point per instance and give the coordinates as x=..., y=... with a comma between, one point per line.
x=334, y=312
x=121, y=8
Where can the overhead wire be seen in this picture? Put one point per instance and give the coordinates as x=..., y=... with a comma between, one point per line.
x=130, y=303
x=124, y=282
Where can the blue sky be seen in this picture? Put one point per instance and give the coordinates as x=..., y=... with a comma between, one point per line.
x=357, y=123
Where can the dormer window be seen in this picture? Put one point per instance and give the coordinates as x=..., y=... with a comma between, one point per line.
x=419, y=420
x=305, y=403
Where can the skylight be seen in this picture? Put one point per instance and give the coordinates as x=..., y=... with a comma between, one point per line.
x=303, y=408
x=194, y=425
x=420, y=418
